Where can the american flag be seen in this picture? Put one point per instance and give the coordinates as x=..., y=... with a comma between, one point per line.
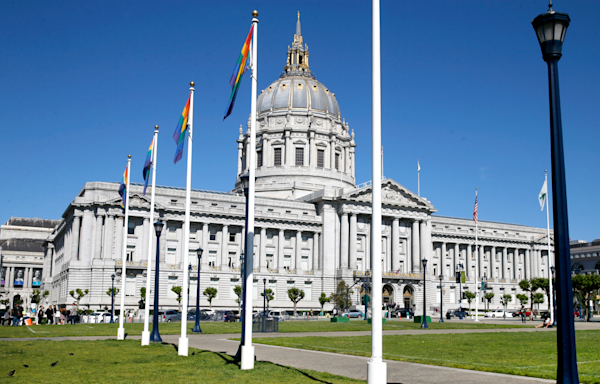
x=475, y=209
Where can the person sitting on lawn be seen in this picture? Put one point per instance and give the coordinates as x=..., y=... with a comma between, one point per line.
x=546, y=324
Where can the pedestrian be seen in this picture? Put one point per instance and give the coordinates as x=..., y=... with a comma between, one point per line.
x=19, y=315
x=6, y=318
x=522, y=313
x=50, y=315
x=72, y=314
x=40, y=315
x=63, y=315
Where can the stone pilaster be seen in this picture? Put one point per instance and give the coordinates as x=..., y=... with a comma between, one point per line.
x=344, y=242
x=98, y=229
x=75, y=236
x=416, y=246
x=352, y=240
x=280, y=254
x=263, y=250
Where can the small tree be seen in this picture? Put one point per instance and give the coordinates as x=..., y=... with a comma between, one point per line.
x=323, y=299
x=142, y=302
x=470, y=296
x=295, y=295
x=238, y=292
x=505, y=300
x=78, y=294
x=586, y=284
x=177, y=290
x=340, y=295
x=4, y=302
x=538, y=299
x=36, y=296
x=270, y=295
x=489, y=296
x=531, y=286
x=210, y=293
x=522, y=298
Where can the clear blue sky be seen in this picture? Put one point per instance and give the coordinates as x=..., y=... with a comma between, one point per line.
x=465, y=91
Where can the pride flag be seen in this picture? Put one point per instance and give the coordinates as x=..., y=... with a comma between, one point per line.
x=147, y=166
x=238, y=72
x=123, y=188
x=180, y=131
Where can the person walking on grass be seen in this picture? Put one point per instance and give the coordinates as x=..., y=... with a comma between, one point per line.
x=522, y=313
x=40, y=315
x=50, y=315
x=63, y=316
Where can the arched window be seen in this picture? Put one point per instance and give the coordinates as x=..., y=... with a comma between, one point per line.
x=577, y=268
x=597, y=267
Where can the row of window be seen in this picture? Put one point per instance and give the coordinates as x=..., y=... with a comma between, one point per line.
x=299, y=158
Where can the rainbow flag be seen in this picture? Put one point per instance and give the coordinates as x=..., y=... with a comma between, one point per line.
x=180, y=131
x=147, y=166
x=123, y=188
x=238, y=72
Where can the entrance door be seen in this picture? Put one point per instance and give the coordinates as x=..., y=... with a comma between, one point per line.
x=408, y=297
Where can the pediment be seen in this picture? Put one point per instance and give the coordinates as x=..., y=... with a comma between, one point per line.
x=392, y=193
x=136, y=201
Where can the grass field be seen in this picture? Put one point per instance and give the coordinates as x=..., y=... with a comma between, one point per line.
x=222, y=327
x=518, y=353
x=111, y=361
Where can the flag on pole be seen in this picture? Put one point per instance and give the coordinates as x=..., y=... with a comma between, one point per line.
x=418, y=166
x=543, y=194
x=180, y=131
x=147, y=166
x=123, y=188
x=238, y=72
x=475, y=209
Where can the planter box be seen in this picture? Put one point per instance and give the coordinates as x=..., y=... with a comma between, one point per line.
x=419, y=319
x=340, y=320
x=382, y=321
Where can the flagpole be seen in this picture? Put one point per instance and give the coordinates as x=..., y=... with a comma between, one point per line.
x=382, y=162
x=551, y=286
x=476, y=263
x=418, y=178
x=121, y=330
x=376, y=368
x=182, y=350
x=146, y=331
x=247, y=361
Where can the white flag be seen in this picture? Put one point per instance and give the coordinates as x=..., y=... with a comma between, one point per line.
x=418, y=166
x=543, y=194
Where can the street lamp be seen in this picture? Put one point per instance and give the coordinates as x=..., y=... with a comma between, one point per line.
x=552, y=268
x=366, y=287
x=197, y=325
x=550, y=28
x=112, y=299
x=441, y=299
x=484, y=286
x=460, y=268
x=424, y=322
x=155, y=336
x=264, y=297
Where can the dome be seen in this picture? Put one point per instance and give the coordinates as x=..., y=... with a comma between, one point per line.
x=298, y=94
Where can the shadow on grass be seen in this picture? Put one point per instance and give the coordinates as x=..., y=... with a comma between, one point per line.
x=173, y=344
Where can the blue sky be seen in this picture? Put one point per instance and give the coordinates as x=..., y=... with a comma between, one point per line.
x=464, y=91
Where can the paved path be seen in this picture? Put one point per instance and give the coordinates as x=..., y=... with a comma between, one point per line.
x=346, y=365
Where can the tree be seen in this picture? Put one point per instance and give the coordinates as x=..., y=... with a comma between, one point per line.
x=142, y=302
x=340, y=295
x=323, y=299
x=295, y=295
x=470, y=296
x=110, y=291
x=489, y=296
x=505, y=300
x=4, y=302
x=531, y=286
x=210, y=293
x=522, y=298
x=78, y=294
x=538, y=298
x=177, y=290
x=36, y=296
x=270, y=295
x=585, y=285
x=238, y=292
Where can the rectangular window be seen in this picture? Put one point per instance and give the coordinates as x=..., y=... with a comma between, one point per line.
x=272, y=285
x=255, y=290
x=304, y=241
x=308, y=290
x=270, y=261
x=130, y=286
x=337, y=161
x=359, y=244
x=259, y=158
x=212, y=258
x=359, y=264
x=214, y=283
x=304, y=263
x=213, y=235
x=288, y=241
x=192, y=234
x=269, y=238
x=299, y=157
x=232, y=237
x=320, y=158
x=232, y=284
x=231, y=259
x=172, y=234
x=131, y=229
x=171, y=255
x=130, y=252
x=277, y=157
x=287, y=261
x=172, y=283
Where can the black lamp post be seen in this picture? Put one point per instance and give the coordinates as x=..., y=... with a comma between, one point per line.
x=112, y=299
x=424, y=322
x=553, y=297
x=366, y=287
x=441, y=299
x=460, y=268
x=155, y=336
x=264, y=297
x=551, y=28
x=197, y=325
x=485, y=301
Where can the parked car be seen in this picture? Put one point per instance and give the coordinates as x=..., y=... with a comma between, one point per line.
x=171, y=315
x=205, y=315
x=458, y=313
x=279, y=315
x=355, y=313
x=498, y=313
x=98, y=317
x=403, y=312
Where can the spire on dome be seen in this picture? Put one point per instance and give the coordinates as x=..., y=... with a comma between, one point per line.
x=297, y=56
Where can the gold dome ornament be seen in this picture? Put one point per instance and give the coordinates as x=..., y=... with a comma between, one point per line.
x=255, y=13
x=156, y=127
x=192, y=83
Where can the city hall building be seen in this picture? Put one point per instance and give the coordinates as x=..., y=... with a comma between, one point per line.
x=312, y=228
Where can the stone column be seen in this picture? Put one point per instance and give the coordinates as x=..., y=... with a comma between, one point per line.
x=240, y=154
x=468, y=261
x=50, y=253
x=9, y=279
x=344, y=242
x=536, y=269
x=526, y=265
x=493, y=262
x=505, y=263
x=263, y=250
x=280, y=254
x=85, y=239
x=456, y=258
x=480, y=257
x=247, y=165
x=222, y=260
x=329, y=217
x=425, y=245
x=118, y=238
x=145, y=240
x=309, y=260
x=75, y=236
x=26, y=277
x=288, y=148
x=204, y=260
x=395, y=244
x=107, y=248
x=416, y=244
x=312, y=163
x=443, y=260
x=316, y=245
x=352, y=240
x=332, y=152
x=266, y=154
x=98, y=233
x=298, y=251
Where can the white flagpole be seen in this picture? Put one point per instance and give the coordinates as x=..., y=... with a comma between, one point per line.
x=183, y=347
x=121, y=330
x=382, y=162
x=550, y=297
x=247, y=361
x=418, y=178
x=476, y=263
x=376, y=368
x=146, y=331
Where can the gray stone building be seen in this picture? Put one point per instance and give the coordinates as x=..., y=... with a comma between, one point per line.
x=313, y=223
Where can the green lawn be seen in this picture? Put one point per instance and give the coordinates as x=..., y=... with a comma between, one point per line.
x=111, y=361
x=222, y=327
x=518, y=353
